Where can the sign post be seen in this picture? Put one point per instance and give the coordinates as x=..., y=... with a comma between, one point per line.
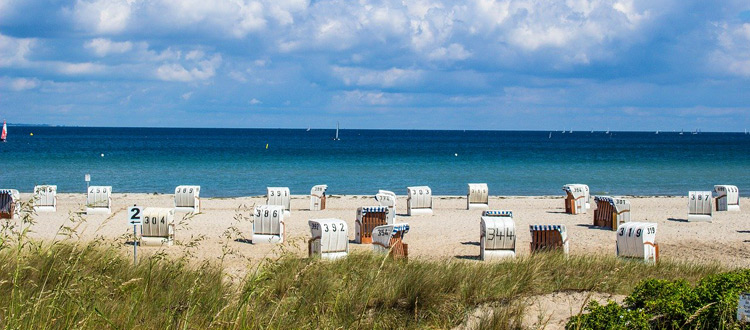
x=134, y=218
x=88, y=179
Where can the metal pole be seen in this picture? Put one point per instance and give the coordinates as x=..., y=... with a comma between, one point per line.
x=135, y=247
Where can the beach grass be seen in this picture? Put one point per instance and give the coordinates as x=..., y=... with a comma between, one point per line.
x=93, y=285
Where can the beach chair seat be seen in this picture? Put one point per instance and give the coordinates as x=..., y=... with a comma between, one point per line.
x=389, y=239
x=330, y=238
x=611, y=212
x=549, y=238
x=369, y=217
x=10, y=204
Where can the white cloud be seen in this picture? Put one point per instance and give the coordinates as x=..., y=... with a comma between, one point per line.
x=255, y=101
x=393, y=77
x=21, y=84
x=732, y=55
x=187, y=96
x=104, y=16
x=79, y=68
x=13, y=51
x=201, y=70
x=103, y=47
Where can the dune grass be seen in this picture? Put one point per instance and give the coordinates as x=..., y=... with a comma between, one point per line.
x=93, y=285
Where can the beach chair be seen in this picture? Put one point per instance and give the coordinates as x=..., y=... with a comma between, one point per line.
x=699, y=206
x=388, y=199
x=279, y=196
x=318, y=197
x=497, y=238
x=268, y=224
x=330, y=239
x=576, y=199
x=157, y=228
x=419, y=201
x=637, y=240
x=369, y=217
x=389, y=239
x=611, y=212
x=99, y=200
x=728, y=198
x=45, y=198
x=478, y=196
x=10, y=204
x=187, y=199
x=549, y=238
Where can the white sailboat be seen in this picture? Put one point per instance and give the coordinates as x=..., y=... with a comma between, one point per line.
x=337, y=132
x=657, y=132
x=4, y=135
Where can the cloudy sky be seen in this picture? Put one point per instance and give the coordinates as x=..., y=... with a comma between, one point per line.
x=475, y=64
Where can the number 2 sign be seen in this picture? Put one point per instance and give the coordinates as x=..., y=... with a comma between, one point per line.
x=134, y=215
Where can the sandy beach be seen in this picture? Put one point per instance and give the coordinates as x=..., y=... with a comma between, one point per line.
x=224, y=224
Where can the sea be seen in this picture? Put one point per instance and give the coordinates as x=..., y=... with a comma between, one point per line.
x=243, y=162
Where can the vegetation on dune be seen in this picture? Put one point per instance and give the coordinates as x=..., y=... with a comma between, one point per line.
x=74, y=284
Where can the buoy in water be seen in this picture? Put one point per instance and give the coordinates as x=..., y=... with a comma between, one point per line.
x=266, y=145
x=456, y=154
x=102, y=155
x=31, y=134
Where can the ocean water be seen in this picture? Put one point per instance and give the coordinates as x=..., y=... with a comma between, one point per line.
x=236, y=162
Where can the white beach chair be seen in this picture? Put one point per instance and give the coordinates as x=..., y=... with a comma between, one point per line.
x=187, y=199
x=279, y=196
x=318, y=197
x=99, y=200
x=157, y=227
x=478, y=196
x=268, y=224
x=388, y=199
x=577, y=198
x=699, y=206
x=330, y=239
x=637, y=240
x=390, y=238
x=727, y=198
x=419, y=201
x=497, y=238
x=45, y=198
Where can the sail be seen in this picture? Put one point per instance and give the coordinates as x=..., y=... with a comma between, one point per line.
x=5, y=132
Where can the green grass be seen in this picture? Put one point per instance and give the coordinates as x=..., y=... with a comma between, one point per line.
x=72, y=284
x=94, y=286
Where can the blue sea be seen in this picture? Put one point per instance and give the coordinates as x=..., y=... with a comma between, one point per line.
x=243, y=162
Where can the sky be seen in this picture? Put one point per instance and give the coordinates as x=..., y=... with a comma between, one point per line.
x=422, y=64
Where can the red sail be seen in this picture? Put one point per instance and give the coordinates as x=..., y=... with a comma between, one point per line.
x=5, y=131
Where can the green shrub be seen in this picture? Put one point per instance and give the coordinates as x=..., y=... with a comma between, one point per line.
x=672, y=304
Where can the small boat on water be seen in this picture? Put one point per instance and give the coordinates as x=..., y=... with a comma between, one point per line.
x=657, y=132
x=4, y=135
x=337, y=132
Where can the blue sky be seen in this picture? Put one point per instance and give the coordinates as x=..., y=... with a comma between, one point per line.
x=477, y=64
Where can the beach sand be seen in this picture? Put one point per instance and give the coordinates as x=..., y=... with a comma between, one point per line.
x=452, y=233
